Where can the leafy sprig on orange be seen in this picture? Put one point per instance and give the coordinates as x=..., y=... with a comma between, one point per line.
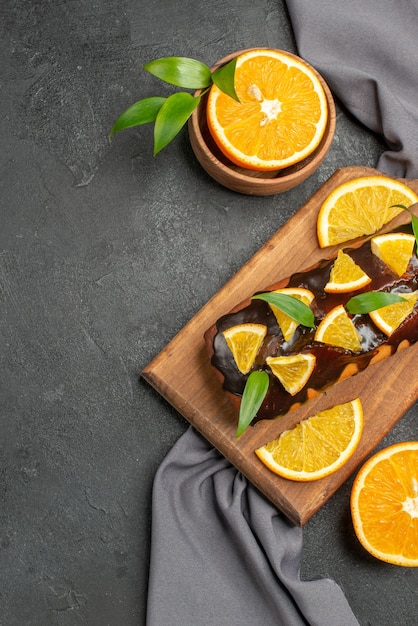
x=294, y=308
x=266, y=109
x=171, y=113
x=370, y=301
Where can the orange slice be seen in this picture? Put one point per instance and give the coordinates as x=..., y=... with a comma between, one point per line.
x=361, y=207
x=384, y=504
x=395, y=250
x=281, y=115
x=244, y=341
x=346, y=275
x=389, y=317
x=293, y=371
x=318, y=446
x=287, y=324
x=337, y=329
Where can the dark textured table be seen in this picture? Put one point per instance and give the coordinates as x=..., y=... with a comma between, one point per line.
x=105, y=253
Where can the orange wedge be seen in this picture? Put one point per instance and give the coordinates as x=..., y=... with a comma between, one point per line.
x=395, y=250
x=337, y=329
x=287, y=324
x=293, y=371
x=281, y=115
x=318, y=446
x=389, y=317
x=244, y=341
x=361, y=207
x=346, y=275
x=384, y=504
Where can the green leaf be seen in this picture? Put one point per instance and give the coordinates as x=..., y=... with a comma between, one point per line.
x=224, y=77
x=181, y=71
x=294, y=308
x=371, y=301
x=140, y=112
x=254, y=393
x=414, y=219
x=171, y=118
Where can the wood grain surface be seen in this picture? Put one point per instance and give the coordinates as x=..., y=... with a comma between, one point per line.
x=183, y=375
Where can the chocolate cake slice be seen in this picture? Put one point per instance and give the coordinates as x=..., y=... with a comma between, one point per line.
x=332, y=364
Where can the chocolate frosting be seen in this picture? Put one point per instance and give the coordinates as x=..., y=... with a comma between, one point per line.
x=330, y=361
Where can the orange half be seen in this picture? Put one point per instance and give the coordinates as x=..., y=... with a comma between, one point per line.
x=281, y=115
x=384, y=504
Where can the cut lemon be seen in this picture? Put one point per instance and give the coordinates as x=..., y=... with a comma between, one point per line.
x=287, y=324
x=389, y=317
x=293, y=371
x=318, y=446
x=337, y=329
x=281, y=115
x=244, y=341
x=346, y=275
x=395, y=250
x=384, y=504
x=361, y=207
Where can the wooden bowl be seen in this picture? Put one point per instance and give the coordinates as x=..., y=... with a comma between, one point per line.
x=252, y=182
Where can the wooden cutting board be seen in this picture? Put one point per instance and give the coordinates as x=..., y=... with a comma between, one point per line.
x=183, y=375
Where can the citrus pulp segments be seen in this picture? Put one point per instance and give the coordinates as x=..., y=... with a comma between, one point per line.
x=244, y=341
x=390, y=317
x=361, y=207
x=346, y=275
x=293, y=371
x=265, y=133
x=395, y=250
x=337, y=329
x=384, y=504
x=334, y=433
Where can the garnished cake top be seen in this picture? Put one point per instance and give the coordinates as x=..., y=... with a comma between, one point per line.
x=303, y=360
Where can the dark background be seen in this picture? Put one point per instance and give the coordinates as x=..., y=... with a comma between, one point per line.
x=105, y=253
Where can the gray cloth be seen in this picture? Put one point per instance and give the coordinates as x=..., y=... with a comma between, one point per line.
x=367, y=53
x=221, y=554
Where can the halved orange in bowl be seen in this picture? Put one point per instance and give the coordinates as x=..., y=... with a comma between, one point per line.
x=281, y=116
